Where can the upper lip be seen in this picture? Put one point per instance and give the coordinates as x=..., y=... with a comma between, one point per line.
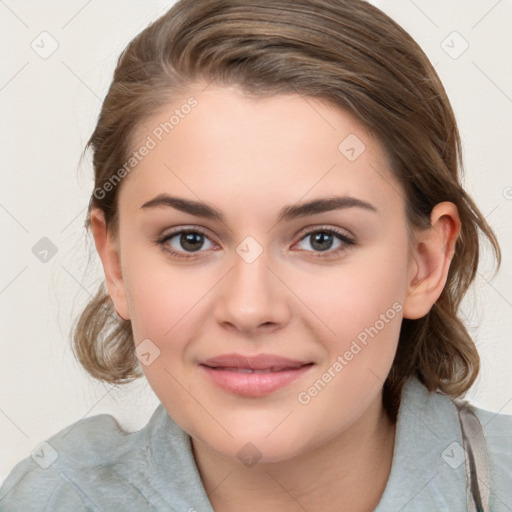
x=257, y=362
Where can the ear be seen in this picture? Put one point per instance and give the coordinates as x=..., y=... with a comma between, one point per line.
x=108, y=251
x=431, y=256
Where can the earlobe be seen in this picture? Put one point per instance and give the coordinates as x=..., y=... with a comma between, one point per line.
x=110, y=259
x=430, y=262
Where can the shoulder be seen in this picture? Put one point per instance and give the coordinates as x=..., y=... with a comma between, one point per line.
x=436, y=406
x=439, y=414
x=66, y=471
x=497, y=430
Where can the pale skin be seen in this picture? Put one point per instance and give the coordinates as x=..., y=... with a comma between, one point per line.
x=249, y=158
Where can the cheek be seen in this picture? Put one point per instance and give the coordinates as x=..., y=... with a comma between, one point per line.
x=362, y=306
x=162, y=296
x=352, y=297
x=164, y=303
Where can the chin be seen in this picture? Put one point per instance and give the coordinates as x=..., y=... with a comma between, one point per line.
x=253, y=444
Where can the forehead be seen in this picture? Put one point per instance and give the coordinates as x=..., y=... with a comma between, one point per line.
x=268, y=151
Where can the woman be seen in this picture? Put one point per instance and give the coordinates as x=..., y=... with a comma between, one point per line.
x=286, y=243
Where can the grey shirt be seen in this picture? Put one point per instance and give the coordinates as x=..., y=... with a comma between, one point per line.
x=93, y=465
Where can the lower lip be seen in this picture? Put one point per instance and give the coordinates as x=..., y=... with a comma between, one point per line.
x=254, y=384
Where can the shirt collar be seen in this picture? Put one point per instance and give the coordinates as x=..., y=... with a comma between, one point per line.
x=427, y=473
x=428, y=470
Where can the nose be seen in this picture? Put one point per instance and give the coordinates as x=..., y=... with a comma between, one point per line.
x=252, y=297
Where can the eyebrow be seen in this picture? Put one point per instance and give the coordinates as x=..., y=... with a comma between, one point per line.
x=290, y=212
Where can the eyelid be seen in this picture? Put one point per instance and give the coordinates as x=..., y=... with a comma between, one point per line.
x=161, y=241
x=342, y=234
x=347, y=242
x=184, y=228
x=325, y=227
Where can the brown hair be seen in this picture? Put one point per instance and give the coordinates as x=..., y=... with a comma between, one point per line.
x=346, y=52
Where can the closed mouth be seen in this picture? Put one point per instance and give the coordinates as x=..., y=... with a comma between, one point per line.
x=254, y=376
x=272, y=369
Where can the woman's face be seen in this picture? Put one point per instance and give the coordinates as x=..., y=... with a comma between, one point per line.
x=274, y=318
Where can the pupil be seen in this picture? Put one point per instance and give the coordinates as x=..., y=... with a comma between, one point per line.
x=191, y=241
x=319, y=239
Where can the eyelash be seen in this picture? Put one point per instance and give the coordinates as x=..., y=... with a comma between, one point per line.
x=347, y=241
x=162, y=242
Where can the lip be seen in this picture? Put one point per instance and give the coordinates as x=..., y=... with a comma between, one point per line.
x=254, y=376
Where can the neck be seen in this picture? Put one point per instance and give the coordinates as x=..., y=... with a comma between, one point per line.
x=349, y=473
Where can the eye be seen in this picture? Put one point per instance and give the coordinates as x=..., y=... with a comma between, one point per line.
x=184, y=241
x=322, y=241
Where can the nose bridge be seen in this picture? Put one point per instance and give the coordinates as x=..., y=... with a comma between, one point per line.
x=251, y=295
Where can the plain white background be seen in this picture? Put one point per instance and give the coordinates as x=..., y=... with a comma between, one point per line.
x=49, y=106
